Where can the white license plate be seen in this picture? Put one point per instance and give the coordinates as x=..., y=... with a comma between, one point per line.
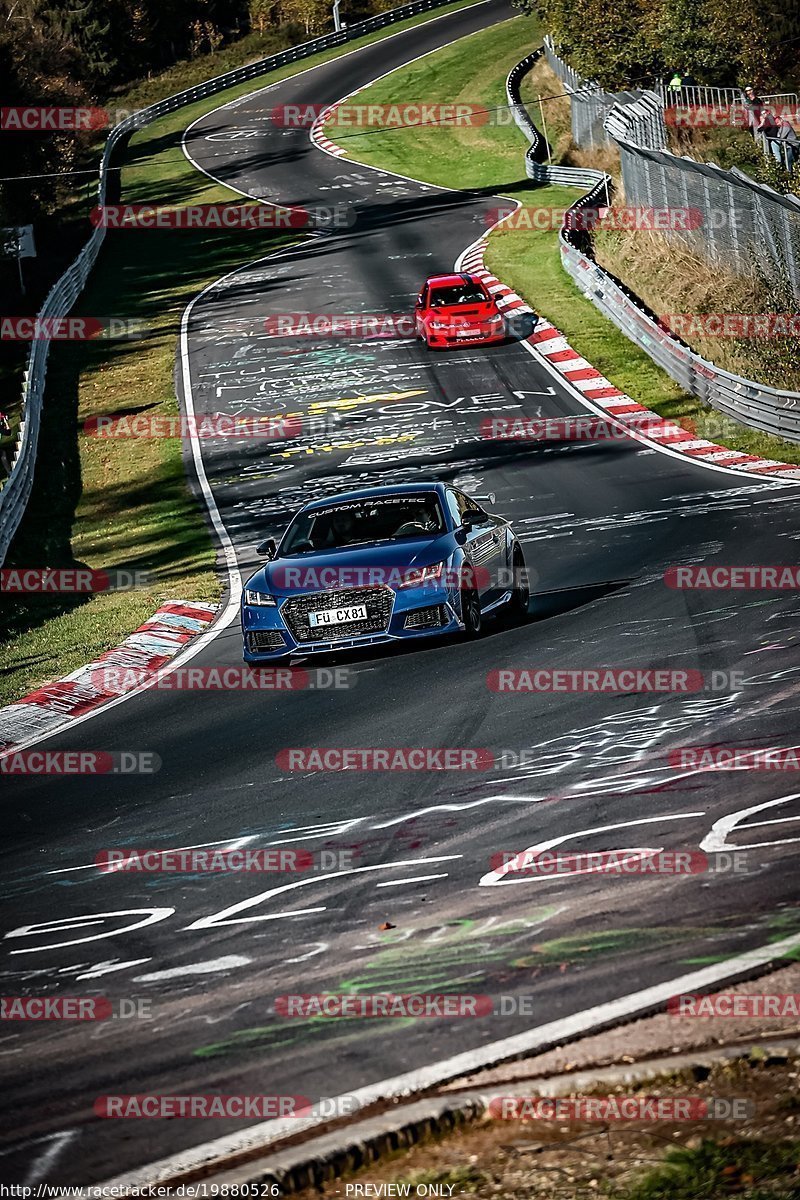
x=337, y=616
x=468, y=333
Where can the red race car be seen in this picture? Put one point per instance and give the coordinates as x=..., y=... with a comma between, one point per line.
x=457, y=310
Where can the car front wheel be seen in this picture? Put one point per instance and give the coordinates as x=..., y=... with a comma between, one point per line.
x=471, y=613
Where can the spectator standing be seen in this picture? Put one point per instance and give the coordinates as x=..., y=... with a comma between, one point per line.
x=754, y=106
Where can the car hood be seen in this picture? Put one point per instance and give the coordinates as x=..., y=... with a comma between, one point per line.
x=347, y=567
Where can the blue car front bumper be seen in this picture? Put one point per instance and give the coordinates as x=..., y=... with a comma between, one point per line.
x=275, y=631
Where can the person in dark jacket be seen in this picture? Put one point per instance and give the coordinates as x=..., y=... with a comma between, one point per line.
x=786, y=143
x=754, y=106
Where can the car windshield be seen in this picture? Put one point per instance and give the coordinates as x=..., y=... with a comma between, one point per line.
x=380, y=519
x=462, y=293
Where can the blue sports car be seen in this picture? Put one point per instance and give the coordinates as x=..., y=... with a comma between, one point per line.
x=381, y=565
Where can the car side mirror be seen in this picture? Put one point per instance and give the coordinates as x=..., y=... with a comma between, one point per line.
x=472, y=517
x=267, y=549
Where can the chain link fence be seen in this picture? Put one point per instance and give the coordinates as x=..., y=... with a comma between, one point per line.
x=589, y=104
x=745, y=400
x=731, y=219
x=16, y=489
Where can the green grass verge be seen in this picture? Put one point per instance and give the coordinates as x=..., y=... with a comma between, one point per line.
x=750, y=1169
x=125, y=503
x=491, y=156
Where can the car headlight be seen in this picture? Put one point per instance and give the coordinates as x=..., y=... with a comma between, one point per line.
x=422, y=575
x=440, y=324
x=258, y=598
x=496, y=319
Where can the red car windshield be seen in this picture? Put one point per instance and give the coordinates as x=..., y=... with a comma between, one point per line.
x=461, y=293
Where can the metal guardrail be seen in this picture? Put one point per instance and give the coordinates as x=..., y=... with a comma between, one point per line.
x=17, y=487
x=751, y=403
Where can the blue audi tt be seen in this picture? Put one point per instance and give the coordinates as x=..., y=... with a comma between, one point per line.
x=381, y=565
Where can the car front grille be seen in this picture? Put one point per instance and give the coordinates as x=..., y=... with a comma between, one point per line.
x=378, y=601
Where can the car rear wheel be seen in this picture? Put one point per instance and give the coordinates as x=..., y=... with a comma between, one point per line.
x=471, y=613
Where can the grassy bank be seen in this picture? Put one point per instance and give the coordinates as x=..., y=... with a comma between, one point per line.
x=125, y=504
